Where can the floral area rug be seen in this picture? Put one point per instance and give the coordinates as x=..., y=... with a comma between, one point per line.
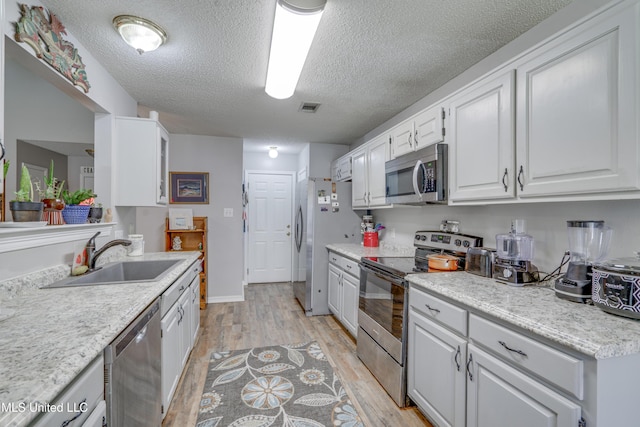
x=285, y=385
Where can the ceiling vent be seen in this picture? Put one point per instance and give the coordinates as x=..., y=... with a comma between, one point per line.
x=309, y=107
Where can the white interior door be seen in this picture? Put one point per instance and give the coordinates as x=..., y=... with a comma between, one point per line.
x=270, y=227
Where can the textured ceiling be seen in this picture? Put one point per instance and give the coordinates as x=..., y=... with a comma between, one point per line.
x=370, y=60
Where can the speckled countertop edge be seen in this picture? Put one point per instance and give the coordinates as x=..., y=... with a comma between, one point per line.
x=355, y=251
x=56, y=333
x=584, y=328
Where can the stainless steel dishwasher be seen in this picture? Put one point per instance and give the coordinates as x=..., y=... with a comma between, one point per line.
x=133, y=387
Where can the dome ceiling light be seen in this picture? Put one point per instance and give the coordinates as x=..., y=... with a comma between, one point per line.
x=273, y=152
x=139, y=33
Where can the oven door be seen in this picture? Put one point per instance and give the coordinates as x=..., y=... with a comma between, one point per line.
x=382, y=310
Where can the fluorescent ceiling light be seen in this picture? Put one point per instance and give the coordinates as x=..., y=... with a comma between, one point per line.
x=139, y=33
x=273, y=152
x=294, y=27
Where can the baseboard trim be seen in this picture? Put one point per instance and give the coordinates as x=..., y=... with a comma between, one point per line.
x=231, y=298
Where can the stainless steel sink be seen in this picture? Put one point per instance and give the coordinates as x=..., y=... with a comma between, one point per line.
x=120, y=272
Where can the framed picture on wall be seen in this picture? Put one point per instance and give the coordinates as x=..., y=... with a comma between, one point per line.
x=189, y=187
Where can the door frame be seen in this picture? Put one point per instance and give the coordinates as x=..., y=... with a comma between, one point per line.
x=245, y=215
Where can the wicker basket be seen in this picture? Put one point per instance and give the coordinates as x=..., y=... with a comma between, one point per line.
x=75, y=214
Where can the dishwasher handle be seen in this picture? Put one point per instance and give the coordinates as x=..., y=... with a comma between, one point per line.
x=135, y=332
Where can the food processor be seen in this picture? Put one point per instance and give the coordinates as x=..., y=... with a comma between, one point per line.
x=514, y=253
x=588, y=244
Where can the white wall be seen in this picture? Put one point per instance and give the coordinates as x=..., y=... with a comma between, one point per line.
x=321, y=156
x=546, y=222
x=36, y=110
x=222, y=158
x=262, y=162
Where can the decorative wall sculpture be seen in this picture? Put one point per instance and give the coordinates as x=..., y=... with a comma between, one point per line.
x=44, y=35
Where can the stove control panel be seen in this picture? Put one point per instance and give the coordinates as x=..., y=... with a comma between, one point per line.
x=447, y=241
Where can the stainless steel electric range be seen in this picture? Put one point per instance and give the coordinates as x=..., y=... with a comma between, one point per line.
x=383, y=305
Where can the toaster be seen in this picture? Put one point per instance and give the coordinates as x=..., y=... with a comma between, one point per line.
x=479, y=261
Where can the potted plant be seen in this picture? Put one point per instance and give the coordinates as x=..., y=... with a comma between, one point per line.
x=52, y=191
x=23, y=208
x=77, y=206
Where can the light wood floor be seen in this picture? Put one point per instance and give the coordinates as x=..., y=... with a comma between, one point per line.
x=271, y=315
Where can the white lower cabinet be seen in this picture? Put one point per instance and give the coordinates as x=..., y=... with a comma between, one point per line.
x=437, y=376
x=179, y=330
x=343, y=290
x=491, y=376
x=82, y=404
x=499, y=395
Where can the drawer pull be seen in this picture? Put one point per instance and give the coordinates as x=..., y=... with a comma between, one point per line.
x=469, y=367
x=520, y=352
x=82, y=405
x=456, y=359
x=434, y=310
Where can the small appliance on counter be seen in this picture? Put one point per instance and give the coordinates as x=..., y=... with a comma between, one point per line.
x=588, y=244
x=514, y=253
x=616, y=286
x=479, y=261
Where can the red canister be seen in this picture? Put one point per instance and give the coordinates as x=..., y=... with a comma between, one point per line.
x=371, y=239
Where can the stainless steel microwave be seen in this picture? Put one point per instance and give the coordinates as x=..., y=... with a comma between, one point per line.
x=419, y=177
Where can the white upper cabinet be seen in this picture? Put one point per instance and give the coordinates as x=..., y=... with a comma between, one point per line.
x=402, y=139
x=341, y=168
x=141, y=162
x=428, y=127
x=577, y=128
x=481, y=128
x=423, y=129
x=368, y=177
x=558, y=123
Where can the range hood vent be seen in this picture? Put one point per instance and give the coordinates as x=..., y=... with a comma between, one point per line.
x=309, y=107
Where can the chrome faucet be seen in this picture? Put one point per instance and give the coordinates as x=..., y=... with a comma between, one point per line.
x=92, y=254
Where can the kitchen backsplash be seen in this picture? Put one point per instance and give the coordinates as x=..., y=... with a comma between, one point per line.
x=546, y=222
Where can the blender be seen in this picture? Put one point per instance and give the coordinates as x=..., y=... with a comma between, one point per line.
x=514, y=253
x=588, y=244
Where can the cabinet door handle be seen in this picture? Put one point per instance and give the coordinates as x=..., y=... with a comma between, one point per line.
x=433, y=310
x=456, y=359
x=469, y=362
x=521, y=174
x=504, y=180
x=520, y=352
x=81, y=406
x=415, y=139
x=410, y=144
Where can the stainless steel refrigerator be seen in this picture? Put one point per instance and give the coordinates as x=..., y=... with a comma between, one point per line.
x=323, y=216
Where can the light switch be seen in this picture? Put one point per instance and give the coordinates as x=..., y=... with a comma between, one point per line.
x=228, y=212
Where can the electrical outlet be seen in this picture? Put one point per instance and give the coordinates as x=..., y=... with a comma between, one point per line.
x=228, y=212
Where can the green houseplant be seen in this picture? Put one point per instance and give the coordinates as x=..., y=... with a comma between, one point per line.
x=77, y=205
x=52, y=191
x=23, y=208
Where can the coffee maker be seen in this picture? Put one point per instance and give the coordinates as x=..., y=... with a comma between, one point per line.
x=514, y=253
x=588, y=244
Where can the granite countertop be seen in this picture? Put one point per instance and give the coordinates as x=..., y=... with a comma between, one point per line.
x=56, y=333
x=356, y=251
x=581, y=327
